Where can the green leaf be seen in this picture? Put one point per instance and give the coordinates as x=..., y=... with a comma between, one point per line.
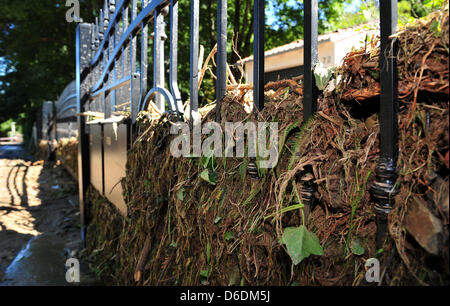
x=323, y=75
x=180, y=194
x=436, y=28
x=173, y=244
x=217, y=220
x=204, y=273
x=356, y=247
x=208, y=161
x=213, y=176
x=208, y=251
x=300, y=243
x=427, y=3
x=209, y=176
x=228, y=236
x=242, y=169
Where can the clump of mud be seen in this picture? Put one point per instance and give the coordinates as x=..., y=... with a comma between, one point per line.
x=184, y=230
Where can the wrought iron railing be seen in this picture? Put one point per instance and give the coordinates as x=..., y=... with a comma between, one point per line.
x=58, y=118
x=109, y=75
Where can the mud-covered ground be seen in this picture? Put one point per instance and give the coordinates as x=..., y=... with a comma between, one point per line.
x=36, y=198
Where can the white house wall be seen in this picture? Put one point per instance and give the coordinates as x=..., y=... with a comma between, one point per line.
x=289, y=59
x=331, y=53
x=345, y=45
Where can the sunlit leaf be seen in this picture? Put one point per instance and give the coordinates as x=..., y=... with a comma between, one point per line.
x=300, y=243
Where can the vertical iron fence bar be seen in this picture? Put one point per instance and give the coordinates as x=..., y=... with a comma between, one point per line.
x=173, y=74
x=384, y=189
x=93, y=50
x=310, y=91
x=158, y=57
x=105, y=29
x=195, y=11
x=134, y=90
x=102, y=63
x=126, y=63
x=54, y=129
x=83, y=59
x=310, y=58
x=258, y=51
x=112, y=43
x=144, y=59
x=93, y=37
x=124, y=27
x=221, y=84
x=119, y=62
x=98, y=64
x=106, y=54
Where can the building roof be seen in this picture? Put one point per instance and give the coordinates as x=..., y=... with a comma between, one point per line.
x=333, y=36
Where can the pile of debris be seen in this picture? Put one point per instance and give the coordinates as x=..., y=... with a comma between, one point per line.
x=67, y=153
x=210, y=221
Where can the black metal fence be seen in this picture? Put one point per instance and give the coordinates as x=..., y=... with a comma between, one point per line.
x=57, y=119
x=112, y=76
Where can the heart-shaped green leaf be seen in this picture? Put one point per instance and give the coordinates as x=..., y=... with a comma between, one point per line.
x=300, y=243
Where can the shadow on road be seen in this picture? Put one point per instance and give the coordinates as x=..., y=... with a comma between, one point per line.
x=39, y=220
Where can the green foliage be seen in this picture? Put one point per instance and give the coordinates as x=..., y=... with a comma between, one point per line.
x=37, y=55
x=209, y=162
x=323, y=75
x=209, y=173
x=409, y=10
x=300, y=243
x=356, y=247
x=209, y=176
x=5, y=128
x=228, y=236
x=180, y=194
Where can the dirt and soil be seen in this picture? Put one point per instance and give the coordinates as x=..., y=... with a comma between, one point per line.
x=185, y=227
x=36, y=198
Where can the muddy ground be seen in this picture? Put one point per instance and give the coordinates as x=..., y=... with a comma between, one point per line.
x=36, y=198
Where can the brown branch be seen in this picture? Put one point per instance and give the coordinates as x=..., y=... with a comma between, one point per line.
x=142, y=259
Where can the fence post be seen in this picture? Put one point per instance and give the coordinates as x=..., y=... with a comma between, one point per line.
x=135, y=91
x=258, y=51
x=158, y=57
x=173, y=75
x=195, y=11
x=384, y=189
x=108, y=95
x=83, y=58
x=310, y=58
x=310, y=91
x=221, y=85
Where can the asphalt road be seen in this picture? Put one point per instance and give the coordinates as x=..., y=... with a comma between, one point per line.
x=11, y=151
